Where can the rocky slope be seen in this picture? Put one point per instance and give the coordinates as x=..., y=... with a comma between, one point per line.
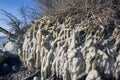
x=67, y=49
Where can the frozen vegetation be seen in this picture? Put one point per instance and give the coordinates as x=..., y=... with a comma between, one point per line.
x=63, y=49
x=70, y=40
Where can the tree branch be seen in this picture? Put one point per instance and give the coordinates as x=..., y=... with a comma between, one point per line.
x=33, y=75
x=9, y=34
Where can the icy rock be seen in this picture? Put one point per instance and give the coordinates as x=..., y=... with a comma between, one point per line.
x=35, y=78
x=93, y=75
x=11, y=47
x=5, y=69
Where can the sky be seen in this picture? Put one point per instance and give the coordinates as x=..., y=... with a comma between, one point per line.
x=13, y=7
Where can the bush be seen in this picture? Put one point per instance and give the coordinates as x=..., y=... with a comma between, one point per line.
x=61, y=6
x=104, y=10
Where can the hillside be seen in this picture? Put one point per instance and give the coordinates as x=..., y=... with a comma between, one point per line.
x=72, y=40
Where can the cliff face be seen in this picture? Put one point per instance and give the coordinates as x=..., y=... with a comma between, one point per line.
x=71, y=50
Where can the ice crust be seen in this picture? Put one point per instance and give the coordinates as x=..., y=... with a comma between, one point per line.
x=67, y=50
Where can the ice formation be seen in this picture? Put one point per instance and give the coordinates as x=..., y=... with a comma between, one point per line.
x=64, y=49
x=11, y=47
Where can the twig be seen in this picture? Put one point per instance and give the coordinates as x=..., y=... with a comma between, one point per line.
x=33, y=75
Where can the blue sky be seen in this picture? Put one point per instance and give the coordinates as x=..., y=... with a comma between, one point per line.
x=13, y=7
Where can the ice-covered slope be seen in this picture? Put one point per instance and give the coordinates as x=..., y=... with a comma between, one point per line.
x=66, y=50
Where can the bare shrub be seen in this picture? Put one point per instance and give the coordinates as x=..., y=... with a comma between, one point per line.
x=17, y=26
x=80, y=8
